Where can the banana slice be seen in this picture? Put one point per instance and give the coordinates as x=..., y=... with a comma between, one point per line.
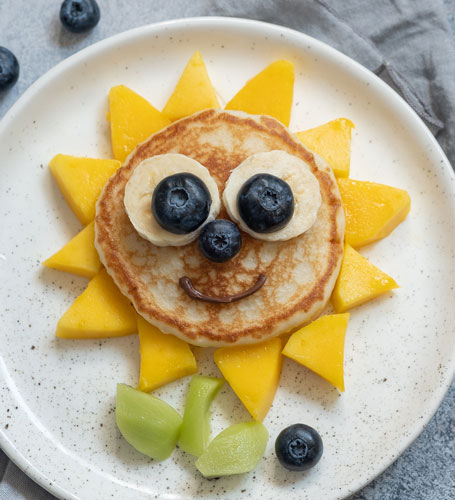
x=289, y=168
x=139, y=191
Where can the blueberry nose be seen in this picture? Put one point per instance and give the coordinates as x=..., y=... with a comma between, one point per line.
x=220, y=240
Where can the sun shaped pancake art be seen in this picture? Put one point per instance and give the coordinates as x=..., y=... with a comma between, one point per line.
x=266, y=299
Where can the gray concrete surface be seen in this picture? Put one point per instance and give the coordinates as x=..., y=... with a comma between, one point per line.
x=31, y=29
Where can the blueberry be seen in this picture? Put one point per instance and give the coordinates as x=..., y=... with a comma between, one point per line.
x=265, y=203
x=79, y=15
x=298, y=447
x=181, y=203
x=220, y=240
x=9, y=69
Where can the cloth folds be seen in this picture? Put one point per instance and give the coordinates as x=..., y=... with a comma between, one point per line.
x=405, y=42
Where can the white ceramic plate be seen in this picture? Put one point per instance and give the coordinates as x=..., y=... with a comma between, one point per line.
x=57, y=396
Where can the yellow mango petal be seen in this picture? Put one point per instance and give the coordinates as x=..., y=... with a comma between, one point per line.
x=164, y=358
x=100, y=311
x=133, y=119
x=358, y=282
x=331, y=141
x=194, y=91
x=372, y=210
x=81, y=181
x=78, y=256
x=253, y=372
x=320, y=347
x=268, y=93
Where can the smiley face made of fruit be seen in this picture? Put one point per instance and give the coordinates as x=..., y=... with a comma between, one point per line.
x=221, y=142
x=281, y=220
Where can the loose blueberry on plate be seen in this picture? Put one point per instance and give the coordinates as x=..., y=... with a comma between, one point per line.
x=265, y=203
x=181, y=203
x=220, y=240
x=9, y=69
x=79, y=15
x=298, y=447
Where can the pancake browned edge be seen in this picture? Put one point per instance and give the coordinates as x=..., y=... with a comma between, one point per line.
x=301, y=272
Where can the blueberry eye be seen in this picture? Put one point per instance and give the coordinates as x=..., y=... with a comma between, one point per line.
x=265, y=203
x=181, y=203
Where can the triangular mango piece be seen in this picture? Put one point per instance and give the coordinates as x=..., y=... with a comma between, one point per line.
x=164, y=358
x=331, y=141
x=100, y=311
x=358, y=282
x=133, y=119
x=253, y=372
x=81, y=181
x=372, y=210
x=270, y=93
x=194, y=91
x=320, y=347
x=78, y=256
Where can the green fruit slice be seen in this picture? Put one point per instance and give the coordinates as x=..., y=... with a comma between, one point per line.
x=195, y=433
x=235, y=450
x=149, y=424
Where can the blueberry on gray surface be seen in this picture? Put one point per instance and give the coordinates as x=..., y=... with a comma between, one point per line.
x=265, y=203
x=298, y=447
x=9, y=69
x=220, y=240
x=181, y=203
x=79, y=16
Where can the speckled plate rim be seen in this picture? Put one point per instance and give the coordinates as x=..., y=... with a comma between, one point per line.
x=407, y=114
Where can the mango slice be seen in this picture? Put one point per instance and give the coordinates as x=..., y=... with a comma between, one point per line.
x=235, y=450
x=270, y=93
x=100, y=311
x=331, y=141
x=320, y=347
x=372, y=210
x=358, y=282
x=194, y=91
x=78, y=256
x=149, y=424
x=133, y=119
x=164, y=358
x=81, y=181
x=253, y=372
x=195, y=433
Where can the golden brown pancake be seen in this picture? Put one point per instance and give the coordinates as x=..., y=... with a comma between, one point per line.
x=301, y=272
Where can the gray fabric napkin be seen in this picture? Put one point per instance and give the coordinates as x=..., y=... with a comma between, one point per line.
x=406, y=42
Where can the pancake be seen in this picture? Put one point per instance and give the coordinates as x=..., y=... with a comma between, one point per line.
x=301, y=272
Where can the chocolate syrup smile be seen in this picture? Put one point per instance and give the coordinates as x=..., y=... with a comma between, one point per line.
x=192, y=292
